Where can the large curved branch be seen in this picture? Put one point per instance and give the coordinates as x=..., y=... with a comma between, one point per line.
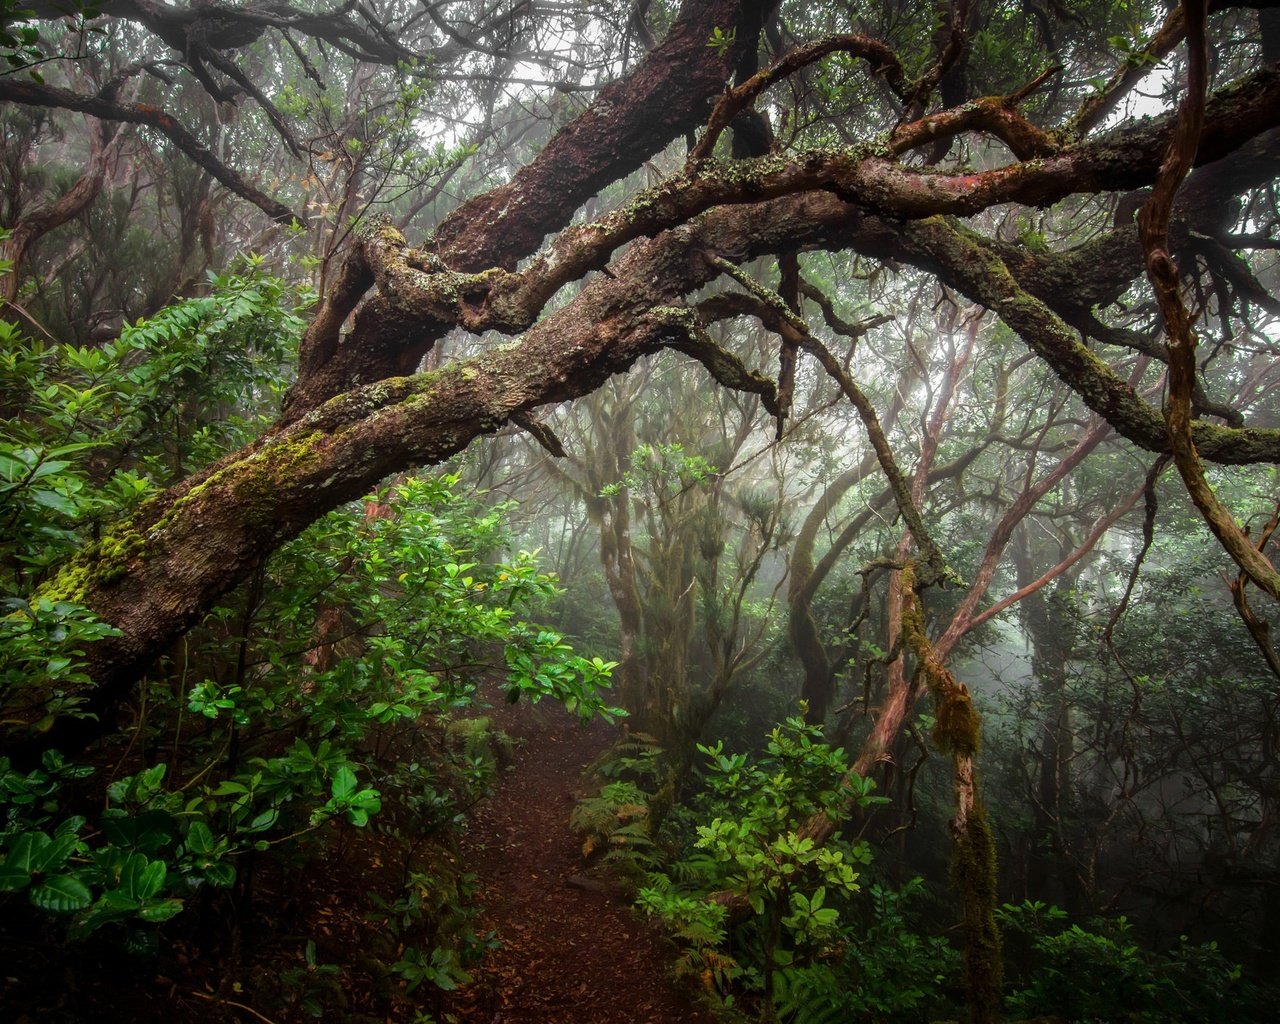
x=158, y=572
x=224, y=26
x=544, y=197
x=426, y=287
x=994, y=115
x=665, y=96
x=1153, y=228
x=426, y=298
x=161, y=570
x=978, y=272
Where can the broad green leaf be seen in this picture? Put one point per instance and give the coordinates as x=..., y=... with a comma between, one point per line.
x=220, y=874
x=25, y=850
x=344, y=783
x=53, y=855
x=129, y=875
x=200, y=838
x=152, y=879
x=161, y=911
x=61, y=894
x=54, y=501
x=49, y=468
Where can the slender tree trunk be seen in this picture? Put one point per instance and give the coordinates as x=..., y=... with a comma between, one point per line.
x=53, y=215
x=1051, y=644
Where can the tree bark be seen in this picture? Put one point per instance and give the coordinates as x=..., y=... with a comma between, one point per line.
x=353, y=420
x=72, y=203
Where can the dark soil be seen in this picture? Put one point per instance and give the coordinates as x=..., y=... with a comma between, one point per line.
x=568, y=954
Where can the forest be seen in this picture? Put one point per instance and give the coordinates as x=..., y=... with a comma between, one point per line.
x=639, y=511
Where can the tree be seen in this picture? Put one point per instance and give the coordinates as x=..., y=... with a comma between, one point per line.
x=352, y=417
x=902, y=131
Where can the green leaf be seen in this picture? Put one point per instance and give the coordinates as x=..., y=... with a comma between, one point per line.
x=55, y=854
x=141, y=879
x=161, y=911
x=152, y=879
x=49, y=468
x=220, y=874
x=61, y=894
x=24, y=851
x=115, y=903
x=54, y=501
x=200, y=838
x=344, y=783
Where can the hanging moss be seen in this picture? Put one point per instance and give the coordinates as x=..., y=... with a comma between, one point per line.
x=959, y=731
x=973, y=873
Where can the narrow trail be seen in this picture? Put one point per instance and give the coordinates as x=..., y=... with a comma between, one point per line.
x=568, y=955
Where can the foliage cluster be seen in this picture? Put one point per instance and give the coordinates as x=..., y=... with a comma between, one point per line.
x=321, y=718
x=1101, y=973
x=816, y=946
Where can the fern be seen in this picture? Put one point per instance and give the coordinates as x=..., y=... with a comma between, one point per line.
x=697, y=866
x=636, y=757
x=615, y=805
x=690, y=919
x=631, y=845
x=809, y=995
x=616, y=819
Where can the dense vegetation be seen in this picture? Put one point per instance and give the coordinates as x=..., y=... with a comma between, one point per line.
x=885, y=441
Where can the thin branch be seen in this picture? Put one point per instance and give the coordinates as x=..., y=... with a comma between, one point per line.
x=104, y=108
x=919, y=91
x=884, y=62
x=1094, y=535
x=1148, y=535
x=688, y=335
x=775, y=311
x=1259, y=629
x=1095, y=109
x=540, y=432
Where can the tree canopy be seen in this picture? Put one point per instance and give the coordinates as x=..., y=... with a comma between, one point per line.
x=500, y=208
x=901, y=177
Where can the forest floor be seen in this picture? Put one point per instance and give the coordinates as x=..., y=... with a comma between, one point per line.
x=568, y=954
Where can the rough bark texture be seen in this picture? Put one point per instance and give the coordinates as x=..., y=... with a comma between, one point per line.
x=666, y=96
x=958, y=733
x=357, y=415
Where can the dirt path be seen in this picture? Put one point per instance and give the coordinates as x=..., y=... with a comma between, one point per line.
x=568, y=955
